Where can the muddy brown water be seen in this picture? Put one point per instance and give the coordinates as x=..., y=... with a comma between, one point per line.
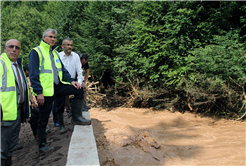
x=131, y=136
x=142, y=137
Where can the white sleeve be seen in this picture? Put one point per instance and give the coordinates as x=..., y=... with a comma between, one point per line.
x=79, y=69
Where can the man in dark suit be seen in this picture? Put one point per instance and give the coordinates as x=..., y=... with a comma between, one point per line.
x=15, y=106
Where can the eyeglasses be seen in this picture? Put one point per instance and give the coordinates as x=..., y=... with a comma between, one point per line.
x=12, y=47
x=52, y=37
x=68, y=45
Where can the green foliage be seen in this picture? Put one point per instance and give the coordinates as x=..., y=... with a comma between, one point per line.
x=38, y=5
x=163, y=33
x=24, y=24
x=217, y=73
x=182, y=45
x=12, y=4
x=224, y=60
x=102, y=30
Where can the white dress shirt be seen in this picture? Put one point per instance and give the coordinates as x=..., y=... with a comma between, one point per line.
x=73, y=65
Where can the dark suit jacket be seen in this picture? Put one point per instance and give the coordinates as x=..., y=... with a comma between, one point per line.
x=25, y=110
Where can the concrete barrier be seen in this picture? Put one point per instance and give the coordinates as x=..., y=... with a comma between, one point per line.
x=82, y=148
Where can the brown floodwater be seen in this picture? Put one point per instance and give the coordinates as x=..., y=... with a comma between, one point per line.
x=130, y=136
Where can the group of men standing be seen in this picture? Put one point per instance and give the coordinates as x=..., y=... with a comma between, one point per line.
x=52, y=76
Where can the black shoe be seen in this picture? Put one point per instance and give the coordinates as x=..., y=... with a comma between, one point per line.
x=77, y=118
x=43, y=148
x=81, y=122
x=61, y=123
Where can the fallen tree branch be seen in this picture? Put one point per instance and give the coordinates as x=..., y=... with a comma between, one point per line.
x=190, y=106
x=243, y=105
x=242, y=116
x=92, y=83
x=132, y=86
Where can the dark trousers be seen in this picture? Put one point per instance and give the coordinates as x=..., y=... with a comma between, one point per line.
x=54, y=111
x=59, y=105
x=59, y=91
x=34, y=120
x=9, y=136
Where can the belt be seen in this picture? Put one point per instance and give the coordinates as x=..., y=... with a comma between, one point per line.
x=19, y=106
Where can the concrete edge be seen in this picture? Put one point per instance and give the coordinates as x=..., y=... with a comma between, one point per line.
x=82, y=148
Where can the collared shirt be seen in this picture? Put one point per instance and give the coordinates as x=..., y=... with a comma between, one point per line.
x=73, y=65
x=16, y=77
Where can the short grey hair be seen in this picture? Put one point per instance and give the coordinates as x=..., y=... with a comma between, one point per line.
x=63, y=41
x=49, y=30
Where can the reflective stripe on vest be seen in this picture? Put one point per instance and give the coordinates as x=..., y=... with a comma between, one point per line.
x=8, y=94
x=4, y=87
x=58, y=69
x=45, y=68
x=42, y=63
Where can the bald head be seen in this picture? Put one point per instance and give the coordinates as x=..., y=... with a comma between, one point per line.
x=12, y=49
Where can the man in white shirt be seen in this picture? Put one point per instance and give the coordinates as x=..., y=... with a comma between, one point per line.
x=71, y=60
x=72, y=63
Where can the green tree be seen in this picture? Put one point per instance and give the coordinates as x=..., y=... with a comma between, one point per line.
x=101, y=31
x=24, y=24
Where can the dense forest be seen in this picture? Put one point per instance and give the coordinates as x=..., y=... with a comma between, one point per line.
x=180, y=55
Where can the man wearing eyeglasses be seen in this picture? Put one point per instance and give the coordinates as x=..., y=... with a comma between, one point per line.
x=72, y=63
x=49, y=79
x=15, y=108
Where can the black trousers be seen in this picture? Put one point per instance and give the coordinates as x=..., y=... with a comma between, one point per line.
x=59, y=104
x=34, y=120
x=60, y=91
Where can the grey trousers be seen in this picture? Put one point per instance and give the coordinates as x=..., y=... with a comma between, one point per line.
x=9, y=136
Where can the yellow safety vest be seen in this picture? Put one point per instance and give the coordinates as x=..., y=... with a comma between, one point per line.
x=8, y=89
x=45, y=68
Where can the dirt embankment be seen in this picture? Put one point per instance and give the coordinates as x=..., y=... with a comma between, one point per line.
x=129, y=136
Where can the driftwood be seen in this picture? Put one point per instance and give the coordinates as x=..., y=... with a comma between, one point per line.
x=93, y=94
x=243, y=104
x=242, y=108
x=130, y=95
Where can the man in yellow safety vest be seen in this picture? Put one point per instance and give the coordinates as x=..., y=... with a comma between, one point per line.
x=49, y=79
x=14, y=97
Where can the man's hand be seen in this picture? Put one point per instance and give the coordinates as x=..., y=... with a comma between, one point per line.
x=83, y=85
x=40, y=99
x=27, y=120
x=76, y=84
